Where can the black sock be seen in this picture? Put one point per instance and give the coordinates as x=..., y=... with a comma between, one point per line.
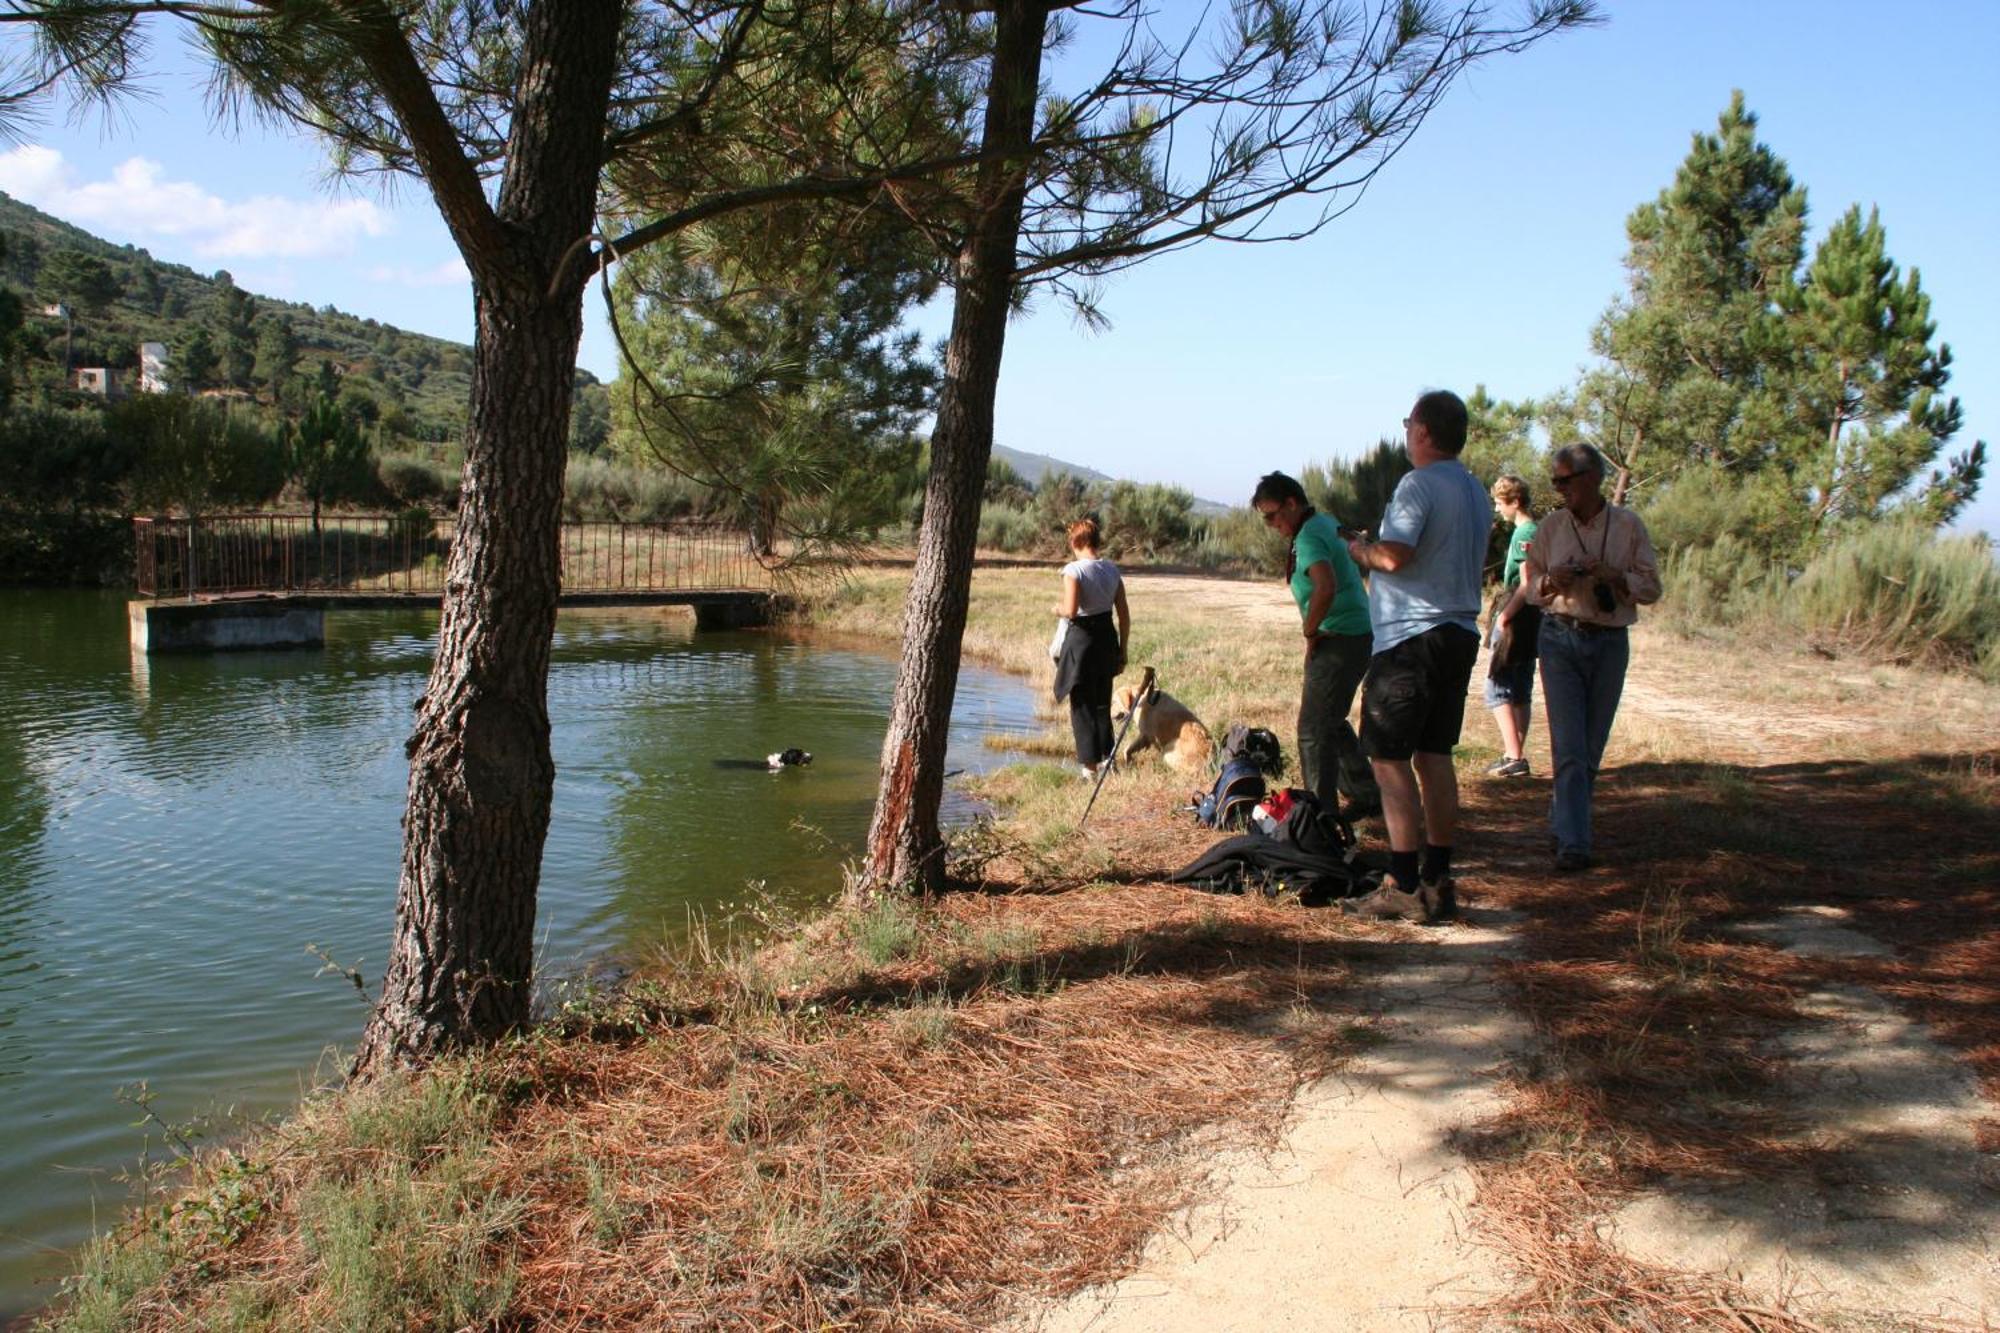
x=1403, y=869
x=1437, y=863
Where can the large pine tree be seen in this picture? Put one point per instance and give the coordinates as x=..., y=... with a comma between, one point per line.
x=1750, y=396
x=1689, y=340
x=1863, y=405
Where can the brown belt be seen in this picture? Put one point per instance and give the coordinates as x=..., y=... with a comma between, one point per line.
x=1582, y=626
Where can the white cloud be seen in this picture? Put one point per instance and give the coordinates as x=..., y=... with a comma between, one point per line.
x=449, y=273
x=137, y=199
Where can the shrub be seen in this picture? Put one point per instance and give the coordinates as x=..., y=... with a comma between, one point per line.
x=1896, y=591
x=1153, y=521
x=410, y=480
x=1240, y=540
x=1902, y=591
x=1004, y=527
x=599, y=488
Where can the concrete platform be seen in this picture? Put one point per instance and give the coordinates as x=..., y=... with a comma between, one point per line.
x=261, y=622
x=239, y=624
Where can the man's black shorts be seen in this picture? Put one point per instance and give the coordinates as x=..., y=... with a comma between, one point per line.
x=1414, y=699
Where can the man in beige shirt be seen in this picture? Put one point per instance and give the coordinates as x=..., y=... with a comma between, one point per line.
x=1590, y=568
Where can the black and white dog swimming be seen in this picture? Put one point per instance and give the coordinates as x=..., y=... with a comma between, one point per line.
x=792, y=758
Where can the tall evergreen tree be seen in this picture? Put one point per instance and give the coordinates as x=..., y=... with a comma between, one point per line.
x=1693, y=335
x=1774, y=402
x=1863, y=393
x=192, y=364
x=235, y=320
x=277, y=353
x=326, y=454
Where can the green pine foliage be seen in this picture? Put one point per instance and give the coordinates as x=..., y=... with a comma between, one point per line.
x=1743, y=390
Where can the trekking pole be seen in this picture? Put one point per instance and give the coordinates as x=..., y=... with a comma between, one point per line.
x=1140, y=698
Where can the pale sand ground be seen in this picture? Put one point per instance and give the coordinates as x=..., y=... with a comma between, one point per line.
x=1359, y=1220
x=1362, y=1218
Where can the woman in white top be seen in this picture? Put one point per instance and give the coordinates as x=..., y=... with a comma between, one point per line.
x=1093, y=653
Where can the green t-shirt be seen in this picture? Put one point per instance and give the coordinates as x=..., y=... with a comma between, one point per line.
x=1517, y=552
x=1319, y=539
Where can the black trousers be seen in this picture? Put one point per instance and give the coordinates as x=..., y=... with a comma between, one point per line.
x=1330, y=758
x=1090, y=706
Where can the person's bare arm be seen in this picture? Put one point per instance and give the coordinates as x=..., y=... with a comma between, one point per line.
x=1066, y=608
x=1385, y=556
x=1124, y=624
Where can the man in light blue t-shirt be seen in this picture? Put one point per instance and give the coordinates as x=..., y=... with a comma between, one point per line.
x=1424, y=569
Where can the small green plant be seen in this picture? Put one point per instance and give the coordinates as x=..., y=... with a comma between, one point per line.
x=397, y=1249
x=887, y=929
x=609, y=1217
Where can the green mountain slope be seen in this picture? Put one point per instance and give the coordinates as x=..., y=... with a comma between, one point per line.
x=413, y=385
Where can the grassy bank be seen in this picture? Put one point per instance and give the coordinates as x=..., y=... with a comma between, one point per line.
x=906, y=1116
x=918, y=1115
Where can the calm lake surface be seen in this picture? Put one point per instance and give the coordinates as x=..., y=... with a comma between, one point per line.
x=175, y=832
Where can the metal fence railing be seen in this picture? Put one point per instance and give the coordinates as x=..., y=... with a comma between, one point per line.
x=406, y=554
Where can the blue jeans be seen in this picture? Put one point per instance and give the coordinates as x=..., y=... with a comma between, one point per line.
x=1583, y=673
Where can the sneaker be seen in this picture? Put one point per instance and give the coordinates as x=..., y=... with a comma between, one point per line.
x=1509, y=768
x=1086, y=772
x=1493, y=769
x=1388, y=903
x=1570, y=860
x=1440, y=898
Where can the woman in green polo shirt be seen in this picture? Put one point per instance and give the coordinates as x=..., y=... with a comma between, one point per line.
x=1339, y=640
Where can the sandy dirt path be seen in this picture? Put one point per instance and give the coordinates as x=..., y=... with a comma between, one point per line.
x=1364, y=1216
x=1358, y=1220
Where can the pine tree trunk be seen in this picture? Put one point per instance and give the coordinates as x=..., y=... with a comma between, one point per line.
x=481, y=773
x=905, y=845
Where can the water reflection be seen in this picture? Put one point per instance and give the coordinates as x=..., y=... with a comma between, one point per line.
x=173, y=834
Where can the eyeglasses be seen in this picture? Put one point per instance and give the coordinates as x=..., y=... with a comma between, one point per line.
x=1560, y=479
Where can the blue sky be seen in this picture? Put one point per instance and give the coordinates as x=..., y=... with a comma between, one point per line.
x=1482, y=255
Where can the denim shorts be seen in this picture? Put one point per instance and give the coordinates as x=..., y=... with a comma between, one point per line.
x=1509, y=684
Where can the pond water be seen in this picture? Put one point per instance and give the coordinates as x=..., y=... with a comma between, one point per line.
x=175, y=833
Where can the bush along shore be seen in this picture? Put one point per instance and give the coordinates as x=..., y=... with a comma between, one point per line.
x=931, y=1114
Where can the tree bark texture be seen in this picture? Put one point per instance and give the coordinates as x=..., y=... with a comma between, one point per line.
x=905, y=844
x=481, y=772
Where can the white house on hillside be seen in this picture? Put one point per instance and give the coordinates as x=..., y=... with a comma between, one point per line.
x=152, y=367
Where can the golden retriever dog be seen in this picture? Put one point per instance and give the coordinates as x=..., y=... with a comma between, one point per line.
x=1166, y=724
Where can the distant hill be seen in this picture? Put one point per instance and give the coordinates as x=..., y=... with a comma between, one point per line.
x=1034, y=467
x=415, y=385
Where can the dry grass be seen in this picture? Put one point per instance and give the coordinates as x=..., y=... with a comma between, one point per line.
x=907, y=1115
x=868, y=1127
x=1657, y=1064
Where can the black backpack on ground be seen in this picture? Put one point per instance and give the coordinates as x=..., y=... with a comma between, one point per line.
x=1256, y=744
x=1312, y=853
x=1229, y=803
x=1314, y=829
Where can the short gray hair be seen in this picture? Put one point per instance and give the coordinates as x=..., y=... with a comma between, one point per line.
x=1581, y=458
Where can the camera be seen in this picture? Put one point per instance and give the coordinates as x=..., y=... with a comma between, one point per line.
x=1600, y=592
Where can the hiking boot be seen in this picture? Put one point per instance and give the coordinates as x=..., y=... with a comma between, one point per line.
x=1388, y=903
x=1440, y=899
x=1570, y=860
x=1508, y=768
